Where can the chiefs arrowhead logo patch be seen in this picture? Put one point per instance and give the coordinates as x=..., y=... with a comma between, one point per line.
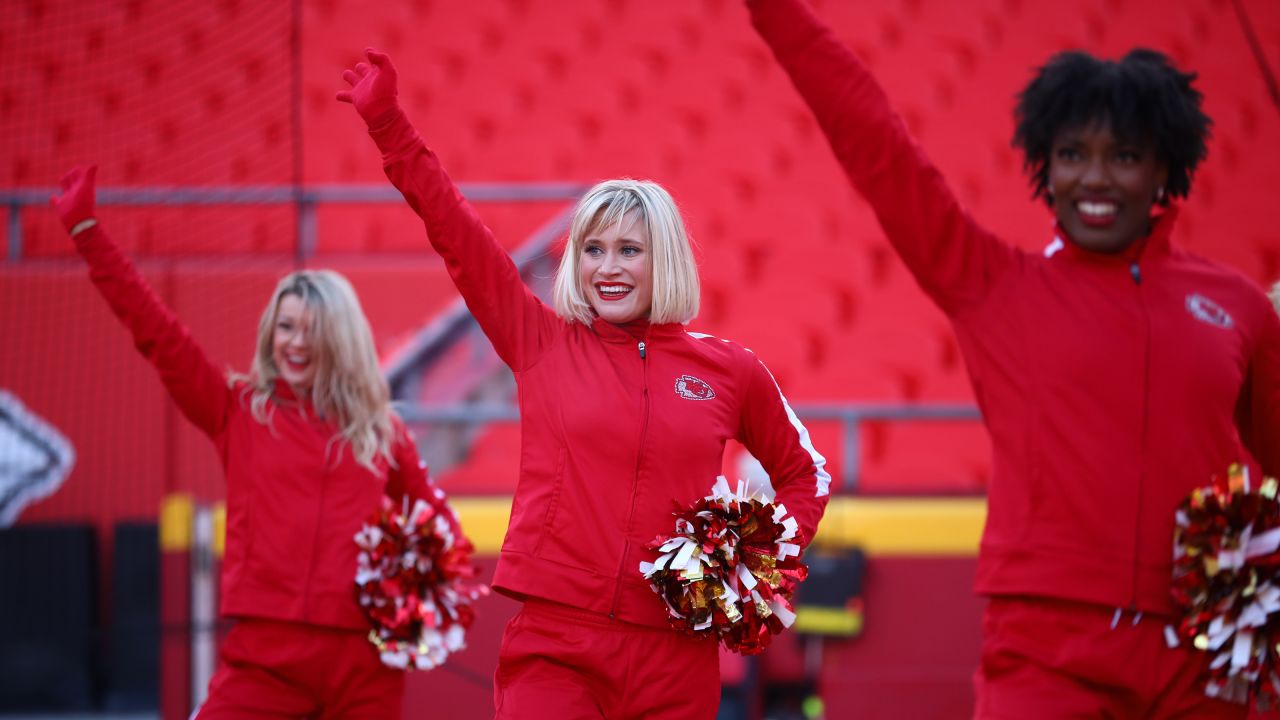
x=1208, y=311
x=691, y=388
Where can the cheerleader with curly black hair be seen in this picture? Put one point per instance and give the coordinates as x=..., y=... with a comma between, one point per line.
x=1115, y=371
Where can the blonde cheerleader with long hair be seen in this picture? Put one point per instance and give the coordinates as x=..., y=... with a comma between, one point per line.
x=310, y=445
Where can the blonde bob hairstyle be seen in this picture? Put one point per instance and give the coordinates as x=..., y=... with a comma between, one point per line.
x=348, y=388
x=675, y=275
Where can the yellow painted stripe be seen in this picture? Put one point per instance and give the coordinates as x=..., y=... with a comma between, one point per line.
x=219, y=530
x=484, y=520
x=880, y=526
x=905, y=526
x=827, y=621
x=176, y=512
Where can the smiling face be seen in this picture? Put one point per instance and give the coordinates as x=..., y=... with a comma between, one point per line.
x=291, y=344
x=616, y=270
x=1103, y=187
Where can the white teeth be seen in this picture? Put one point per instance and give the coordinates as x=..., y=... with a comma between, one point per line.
x=614, y=289
x=1097, y=209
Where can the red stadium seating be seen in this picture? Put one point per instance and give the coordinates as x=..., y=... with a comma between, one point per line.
x=793, y=263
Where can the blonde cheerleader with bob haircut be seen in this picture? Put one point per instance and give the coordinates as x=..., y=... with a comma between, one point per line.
x=624, y=415
x=676, y=290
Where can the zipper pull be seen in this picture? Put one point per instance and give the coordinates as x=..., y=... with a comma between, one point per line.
x=641, y=349
x=1136, y=273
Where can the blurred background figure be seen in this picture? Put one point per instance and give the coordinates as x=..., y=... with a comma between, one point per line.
x=310, y=446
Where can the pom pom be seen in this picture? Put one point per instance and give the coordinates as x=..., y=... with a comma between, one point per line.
x=409, y=583
x=1225, y=578
x=730, y=569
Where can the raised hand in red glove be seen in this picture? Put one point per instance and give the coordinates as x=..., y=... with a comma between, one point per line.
x=373, y=87
x=75, y=205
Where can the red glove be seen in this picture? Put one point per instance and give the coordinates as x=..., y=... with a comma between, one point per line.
x=373, y=87
x=75, y=205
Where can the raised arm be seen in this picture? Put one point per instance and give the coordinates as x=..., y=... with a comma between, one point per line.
x=771, y=432
x=952, y=258
x=514, y=319
x=196, y=384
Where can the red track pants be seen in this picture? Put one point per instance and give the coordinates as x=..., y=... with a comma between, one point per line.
x=1055, y=659
x=561, y=663
x=269, y=669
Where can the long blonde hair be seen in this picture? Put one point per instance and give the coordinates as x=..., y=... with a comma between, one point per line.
x=676, y=291
x=348, y=387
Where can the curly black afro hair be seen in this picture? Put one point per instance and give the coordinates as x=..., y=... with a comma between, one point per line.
x=1142, y=97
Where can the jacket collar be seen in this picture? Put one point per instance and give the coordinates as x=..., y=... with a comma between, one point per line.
x=283, y=393
x=1155, y=244
x=609, y=332
x=283, y=390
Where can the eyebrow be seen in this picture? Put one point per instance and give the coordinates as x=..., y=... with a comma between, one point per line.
x=632, y=239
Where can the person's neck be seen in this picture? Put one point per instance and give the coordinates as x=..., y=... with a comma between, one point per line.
x=635, y=328
x=299, y=392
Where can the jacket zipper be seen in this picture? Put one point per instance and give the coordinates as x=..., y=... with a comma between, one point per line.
x=1135, y=272
x=635, y=482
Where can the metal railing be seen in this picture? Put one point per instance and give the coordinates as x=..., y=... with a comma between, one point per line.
x=305, y=199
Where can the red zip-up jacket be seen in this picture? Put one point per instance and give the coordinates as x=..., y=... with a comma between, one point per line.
x=295, y=499
x=1111, y=385
x=617, y=432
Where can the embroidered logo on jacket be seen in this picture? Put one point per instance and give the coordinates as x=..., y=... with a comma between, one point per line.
x=691, y=388
x=1208, y=311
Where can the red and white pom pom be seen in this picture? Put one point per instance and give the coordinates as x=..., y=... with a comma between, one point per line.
x=730, y=569
x=1226, y=578
x=409, y=582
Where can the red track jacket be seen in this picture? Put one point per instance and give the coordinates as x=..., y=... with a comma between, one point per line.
x=294, y=503
x=1111, y=385
x=616, y=432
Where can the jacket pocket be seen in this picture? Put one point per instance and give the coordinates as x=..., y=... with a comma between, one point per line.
x=554, y=503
